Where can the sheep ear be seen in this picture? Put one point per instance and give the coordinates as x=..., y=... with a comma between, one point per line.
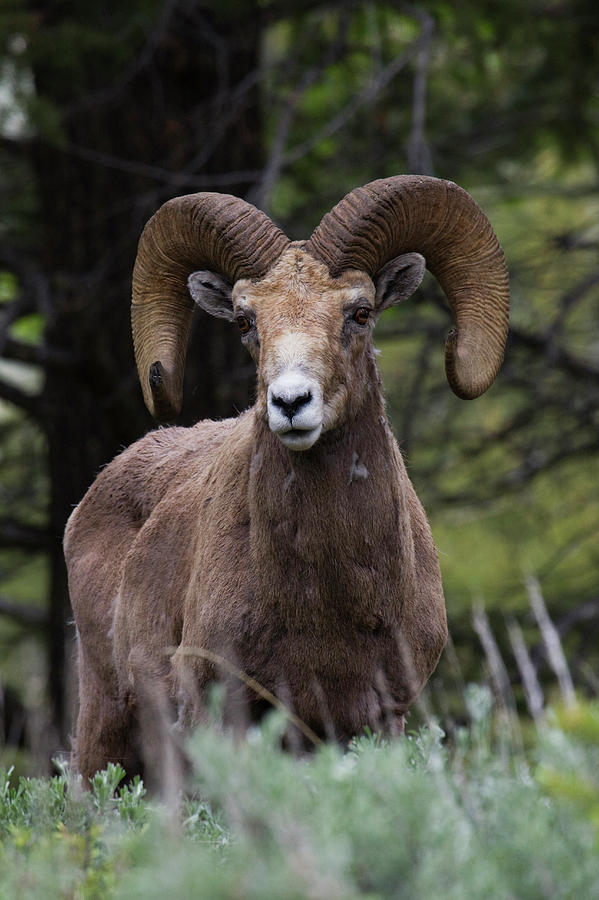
x=212, y=293
x=398, y=279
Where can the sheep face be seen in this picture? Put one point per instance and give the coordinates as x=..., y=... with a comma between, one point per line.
x=310, y=336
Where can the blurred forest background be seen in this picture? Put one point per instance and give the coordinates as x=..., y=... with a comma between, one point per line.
x=107, y=110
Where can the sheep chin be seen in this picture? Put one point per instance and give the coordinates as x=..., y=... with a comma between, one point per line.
x=300, y=439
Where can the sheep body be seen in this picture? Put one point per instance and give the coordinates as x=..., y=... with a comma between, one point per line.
x=315, y=573
x=284, y=551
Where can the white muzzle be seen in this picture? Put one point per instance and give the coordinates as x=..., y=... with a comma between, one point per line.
x=295, y=409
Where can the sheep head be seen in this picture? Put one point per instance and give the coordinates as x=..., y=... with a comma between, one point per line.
x=306, y=310
x=309, y=334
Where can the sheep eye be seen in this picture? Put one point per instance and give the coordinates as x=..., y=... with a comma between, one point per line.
x=362, y=315
x=244, y=324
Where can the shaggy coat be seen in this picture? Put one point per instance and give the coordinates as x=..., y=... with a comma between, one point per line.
x=313, y=572
x=284, y=552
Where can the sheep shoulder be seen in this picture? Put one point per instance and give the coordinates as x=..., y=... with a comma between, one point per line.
x=141, y=491
x=105, y=525
x=199, y=528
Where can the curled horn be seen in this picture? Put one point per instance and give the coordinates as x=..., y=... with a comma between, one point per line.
x=440, y=220
x=198, y=231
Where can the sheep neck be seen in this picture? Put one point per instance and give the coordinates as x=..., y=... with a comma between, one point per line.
x=329, y=531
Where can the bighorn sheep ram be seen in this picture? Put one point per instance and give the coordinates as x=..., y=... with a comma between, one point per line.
x=289, y=540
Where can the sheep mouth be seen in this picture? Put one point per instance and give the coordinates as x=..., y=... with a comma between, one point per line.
x=300, y=439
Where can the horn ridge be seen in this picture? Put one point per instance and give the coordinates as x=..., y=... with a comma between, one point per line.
x=440, y=220
x=196, y=231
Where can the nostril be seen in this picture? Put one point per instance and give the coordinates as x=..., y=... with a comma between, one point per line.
x=291, y=406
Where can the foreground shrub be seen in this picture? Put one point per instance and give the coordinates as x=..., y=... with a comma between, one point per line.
x=406, y=819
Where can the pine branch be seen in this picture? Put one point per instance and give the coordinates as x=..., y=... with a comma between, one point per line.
x=419, y=153
x=362, y=98
x=19, y=535
x=24, y=614
x=260, y=195
x=180, y=179
x=551, y=639
x=558, y=356
x=38, y=355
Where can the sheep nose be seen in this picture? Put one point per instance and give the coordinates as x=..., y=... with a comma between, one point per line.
x=291, y=405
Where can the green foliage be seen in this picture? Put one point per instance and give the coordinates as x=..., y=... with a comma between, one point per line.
x=8, y=287
x=569, y=759
x=409, y=818
x=29, y=328
x=46, y=804
x=58, y=840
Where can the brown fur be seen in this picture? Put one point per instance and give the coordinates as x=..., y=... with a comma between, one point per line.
x=315, y=573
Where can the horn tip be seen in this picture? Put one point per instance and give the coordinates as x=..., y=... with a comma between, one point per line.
x=465, y=375
x=156, y=375
x=158, y=398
